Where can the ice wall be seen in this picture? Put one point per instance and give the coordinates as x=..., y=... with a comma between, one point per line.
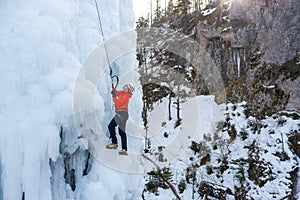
x=42, y=47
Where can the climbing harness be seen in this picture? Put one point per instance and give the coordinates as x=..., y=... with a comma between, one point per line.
x=106, y=52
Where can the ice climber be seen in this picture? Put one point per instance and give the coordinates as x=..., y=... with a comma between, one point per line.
x=121, y=100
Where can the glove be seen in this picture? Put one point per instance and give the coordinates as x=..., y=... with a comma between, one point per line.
x=113, y=93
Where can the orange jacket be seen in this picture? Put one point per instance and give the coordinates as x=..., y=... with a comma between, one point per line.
x=121, y=100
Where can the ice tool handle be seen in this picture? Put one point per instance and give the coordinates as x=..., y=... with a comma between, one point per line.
x=114, y=86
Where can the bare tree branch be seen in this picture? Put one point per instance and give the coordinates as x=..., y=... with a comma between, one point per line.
x=163, y=178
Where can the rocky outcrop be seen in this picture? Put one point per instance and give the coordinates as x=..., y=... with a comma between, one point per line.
x=256, y=44
x=269, y=25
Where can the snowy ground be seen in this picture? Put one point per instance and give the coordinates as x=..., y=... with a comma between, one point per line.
x=200, y=115
x=267, y=147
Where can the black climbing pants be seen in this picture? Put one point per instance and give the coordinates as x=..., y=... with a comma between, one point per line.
x=119, y=120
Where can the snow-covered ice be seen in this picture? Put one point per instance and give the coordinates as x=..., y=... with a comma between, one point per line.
x=43, y=44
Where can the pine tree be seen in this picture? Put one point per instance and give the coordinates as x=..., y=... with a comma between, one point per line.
x=198, y=4
x=183, y=7
x=142, y=22
x=170, y=9
x=158, y=12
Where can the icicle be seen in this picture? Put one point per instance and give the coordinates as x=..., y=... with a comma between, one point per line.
x=238, y=60
x=233, y=52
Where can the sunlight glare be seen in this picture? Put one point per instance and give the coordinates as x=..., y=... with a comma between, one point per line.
x=141, y=8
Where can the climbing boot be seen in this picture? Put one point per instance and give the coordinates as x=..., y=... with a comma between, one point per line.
x=123, y=152
x=112, y=146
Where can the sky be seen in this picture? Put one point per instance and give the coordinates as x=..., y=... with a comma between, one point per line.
x=141, y=8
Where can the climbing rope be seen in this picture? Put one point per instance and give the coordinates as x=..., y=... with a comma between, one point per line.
x=105, y=48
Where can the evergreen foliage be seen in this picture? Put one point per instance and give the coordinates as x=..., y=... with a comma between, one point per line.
x=156, y=180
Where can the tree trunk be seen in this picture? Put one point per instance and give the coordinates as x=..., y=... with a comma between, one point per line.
x=178, y=104
x=169, y=107
x=150, y=13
